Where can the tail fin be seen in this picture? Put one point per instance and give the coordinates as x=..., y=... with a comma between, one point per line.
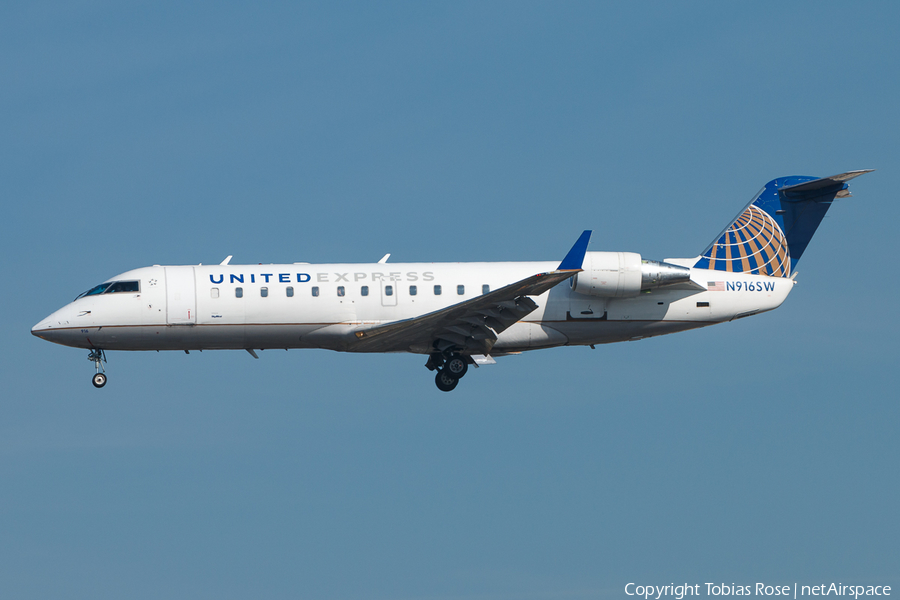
x=770, y=234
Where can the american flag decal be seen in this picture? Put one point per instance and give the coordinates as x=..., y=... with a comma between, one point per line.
x=715, y=286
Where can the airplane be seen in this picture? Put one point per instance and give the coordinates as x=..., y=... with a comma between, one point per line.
x=456, y=314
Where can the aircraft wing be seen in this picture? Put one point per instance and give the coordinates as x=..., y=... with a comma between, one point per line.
x=472, y=325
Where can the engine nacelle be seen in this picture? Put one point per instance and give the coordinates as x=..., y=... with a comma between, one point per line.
x=625, y=275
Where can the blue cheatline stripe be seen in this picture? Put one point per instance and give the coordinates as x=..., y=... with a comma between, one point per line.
x=714, y=253
x=734, y=247
x=767, y=261
x=751, y=258
x=747, y=246
x=575, y=258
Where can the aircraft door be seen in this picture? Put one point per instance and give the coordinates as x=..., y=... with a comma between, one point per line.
x=389, y=289
x=181, y=296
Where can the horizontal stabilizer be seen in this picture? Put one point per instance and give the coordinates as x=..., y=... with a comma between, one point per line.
x=820, y=185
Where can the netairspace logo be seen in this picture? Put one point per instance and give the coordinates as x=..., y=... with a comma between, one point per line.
x=760, y=589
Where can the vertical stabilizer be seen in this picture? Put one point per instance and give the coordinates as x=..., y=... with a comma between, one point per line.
x=770, y=235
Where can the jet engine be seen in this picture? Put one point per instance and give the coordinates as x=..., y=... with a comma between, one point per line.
x=624, y=275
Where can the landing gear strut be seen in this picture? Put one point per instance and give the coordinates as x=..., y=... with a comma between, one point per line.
x=98, y=357
x=450, y=367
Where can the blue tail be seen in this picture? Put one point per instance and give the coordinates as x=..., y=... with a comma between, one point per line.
x=769, y=236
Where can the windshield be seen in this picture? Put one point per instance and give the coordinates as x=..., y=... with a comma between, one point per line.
x=112, y=287
x=94, y=290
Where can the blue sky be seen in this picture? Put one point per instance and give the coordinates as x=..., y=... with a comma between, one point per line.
x=759, y=450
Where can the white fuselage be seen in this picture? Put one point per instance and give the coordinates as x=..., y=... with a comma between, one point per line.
x=276, y=306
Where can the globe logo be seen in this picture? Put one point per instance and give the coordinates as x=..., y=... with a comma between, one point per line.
x=753, y=244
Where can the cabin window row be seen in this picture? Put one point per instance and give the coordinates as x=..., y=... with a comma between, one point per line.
x=342, y=291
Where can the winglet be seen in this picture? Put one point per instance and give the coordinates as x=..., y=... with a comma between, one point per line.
x=575, y=257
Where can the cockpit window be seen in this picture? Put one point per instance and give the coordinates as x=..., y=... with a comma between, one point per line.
x=123, y=286
x=111, y=287
x=94, y=290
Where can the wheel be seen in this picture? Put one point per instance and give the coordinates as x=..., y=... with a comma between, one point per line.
x=445, y=381
x=457, y=366
x=99, y=380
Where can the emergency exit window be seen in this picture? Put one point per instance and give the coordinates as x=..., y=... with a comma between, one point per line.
x=214, y=293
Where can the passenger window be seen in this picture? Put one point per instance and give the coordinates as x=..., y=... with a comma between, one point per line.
x=388, y=290
x=460, y=289
x=437, y=290
x=364, y=290
x=289, y=290
x=264, y=292
x=485, y=289
x=413, y=290
x=214, y=293
x=238, y=292
x=340, y=290
x=315, y=290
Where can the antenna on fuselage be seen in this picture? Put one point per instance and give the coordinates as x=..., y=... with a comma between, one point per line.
x=384, y=258
x=227, y=260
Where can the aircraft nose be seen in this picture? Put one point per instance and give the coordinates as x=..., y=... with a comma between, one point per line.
x=46, y=326
x=41, y=328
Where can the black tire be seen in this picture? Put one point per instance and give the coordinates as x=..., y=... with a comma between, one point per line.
x=445, y=381
x=99, y=380
x=457, y=366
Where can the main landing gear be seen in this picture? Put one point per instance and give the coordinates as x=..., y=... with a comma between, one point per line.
x=450, y=369
x=98, y=357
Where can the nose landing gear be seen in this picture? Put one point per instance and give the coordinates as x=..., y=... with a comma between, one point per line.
x=98, y=357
